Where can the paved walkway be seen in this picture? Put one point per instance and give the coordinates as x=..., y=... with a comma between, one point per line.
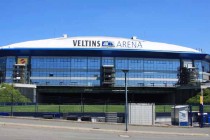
x=105, y=127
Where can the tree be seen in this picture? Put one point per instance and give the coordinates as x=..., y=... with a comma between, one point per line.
x=196, y=99
x=9, y=94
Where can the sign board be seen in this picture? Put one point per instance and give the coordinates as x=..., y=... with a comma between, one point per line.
x=111, y=43
x=22, y=61
x=183, y=118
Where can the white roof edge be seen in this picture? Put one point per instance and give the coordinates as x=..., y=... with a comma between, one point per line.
x=65, y=42
x=24, y=85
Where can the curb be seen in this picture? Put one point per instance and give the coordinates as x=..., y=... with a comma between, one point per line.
x=64, y=120
x=103, y=130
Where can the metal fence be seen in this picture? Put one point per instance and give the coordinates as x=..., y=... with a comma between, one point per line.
x=167, y=108
x=81, y=107
x=60, y=108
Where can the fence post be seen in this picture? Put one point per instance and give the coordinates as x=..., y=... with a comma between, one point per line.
x=107, y=107
x=174, y=115
x=12, y=103
x=59, y=108
x=107, y=103
x=164, y=108
x=190, y=114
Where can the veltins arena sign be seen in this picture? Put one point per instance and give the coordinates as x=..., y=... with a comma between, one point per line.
x=131, y=44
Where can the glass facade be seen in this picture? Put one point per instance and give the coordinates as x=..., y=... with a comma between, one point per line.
x=2, y=68
x=87, y=71
x=205, y=67
x=10, y=61
x=198, y=64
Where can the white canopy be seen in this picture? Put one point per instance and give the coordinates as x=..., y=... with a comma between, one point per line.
x=97, y=42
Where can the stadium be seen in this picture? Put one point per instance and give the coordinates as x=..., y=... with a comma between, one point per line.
x=76, y=69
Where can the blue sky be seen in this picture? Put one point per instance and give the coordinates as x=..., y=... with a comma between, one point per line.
x=180, y=22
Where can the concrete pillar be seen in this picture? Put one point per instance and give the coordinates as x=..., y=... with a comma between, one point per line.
x=173, y=100
x=34, y=95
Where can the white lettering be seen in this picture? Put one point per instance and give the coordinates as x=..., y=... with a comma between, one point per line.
x=119, y=44
x=124, y=44
x=129, y=44
x=98, y=43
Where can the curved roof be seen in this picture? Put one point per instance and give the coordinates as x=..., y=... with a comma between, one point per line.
x=99, y=43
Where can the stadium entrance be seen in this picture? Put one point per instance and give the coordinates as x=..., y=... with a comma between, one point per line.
x=64, y=95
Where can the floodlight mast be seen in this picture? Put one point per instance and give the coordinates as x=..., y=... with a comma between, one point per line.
x=126, y=100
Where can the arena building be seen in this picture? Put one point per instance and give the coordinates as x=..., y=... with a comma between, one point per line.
x=71, y=69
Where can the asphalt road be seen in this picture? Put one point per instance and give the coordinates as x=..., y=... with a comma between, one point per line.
x=30, y=129
x=31, y=133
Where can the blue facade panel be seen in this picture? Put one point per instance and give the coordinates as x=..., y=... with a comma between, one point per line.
x=77, y=67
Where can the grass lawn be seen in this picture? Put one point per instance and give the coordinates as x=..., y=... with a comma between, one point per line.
x=85, y=108
x=64, y=108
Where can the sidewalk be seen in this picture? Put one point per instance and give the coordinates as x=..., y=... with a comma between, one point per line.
x=104, y=127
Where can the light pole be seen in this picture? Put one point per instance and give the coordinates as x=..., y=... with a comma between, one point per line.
x=126, y=100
